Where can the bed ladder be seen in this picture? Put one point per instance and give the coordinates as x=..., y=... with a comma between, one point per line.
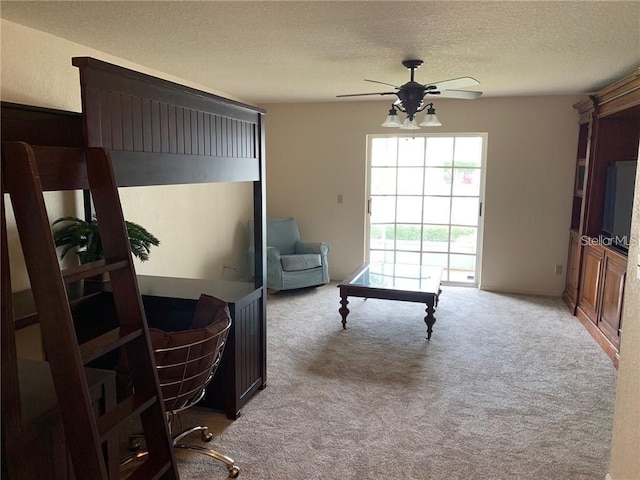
x=26, y=172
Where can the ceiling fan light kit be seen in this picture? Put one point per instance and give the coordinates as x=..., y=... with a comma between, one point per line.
x=430, y=119
x=392, y=118
x=411, y=98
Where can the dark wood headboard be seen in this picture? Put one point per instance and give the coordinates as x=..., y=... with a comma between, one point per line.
x=159, y=132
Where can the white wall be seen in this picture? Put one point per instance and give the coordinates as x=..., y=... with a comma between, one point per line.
x=317, y=151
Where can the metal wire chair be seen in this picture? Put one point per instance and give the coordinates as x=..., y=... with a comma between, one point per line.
x=186, y=362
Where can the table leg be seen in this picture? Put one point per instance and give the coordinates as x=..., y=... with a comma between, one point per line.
x=344, y=311
x=430, y=320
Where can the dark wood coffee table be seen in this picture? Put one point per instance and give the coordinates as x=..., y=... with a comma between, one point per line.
x=409, y=283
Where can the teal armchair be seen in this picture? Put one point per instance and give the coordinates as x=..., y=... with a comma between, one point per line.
x=291, y=263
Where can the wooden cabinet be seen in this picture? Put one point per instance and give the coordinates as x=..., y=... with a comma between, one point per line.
x=608, y=134
x=614, y=271
x=570, y=294
x=242, y=371
x=593, y=256
x=601, y=294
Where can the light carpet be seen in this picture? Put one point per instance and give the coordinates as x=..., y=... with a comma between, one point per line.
x=509, y=387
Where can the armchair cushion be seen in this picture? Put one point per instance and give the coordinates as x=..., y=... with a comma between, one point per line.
x=305, y=261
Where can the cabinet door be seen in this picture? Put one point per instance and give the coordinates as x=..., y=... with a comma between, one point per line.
x=590, y=283
x=614, y=272
x=573, y=270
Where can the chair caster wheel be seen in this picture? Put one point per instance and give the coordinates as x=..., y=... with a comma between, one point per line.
x=134, y=445
x=234, y=472
x=206, y=436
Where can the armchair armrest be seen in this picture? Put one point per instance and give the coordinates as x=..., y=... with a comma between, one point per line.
x=273, y=255
x=321, y=248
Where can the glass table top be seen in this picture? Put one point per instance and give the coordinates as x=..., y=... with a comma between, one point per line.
x=417, y=278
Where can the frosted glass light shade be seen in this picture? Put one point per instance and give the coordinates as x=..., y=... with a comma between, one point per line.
x=410, y=124
x=392, y=120
x=431, y=120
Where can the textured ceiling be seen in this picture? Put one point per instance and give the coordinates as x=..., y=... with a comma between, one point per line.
x=292, y=51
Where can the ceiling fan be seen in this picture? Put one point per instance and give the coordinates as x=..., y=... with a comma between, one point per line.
x=411, y=96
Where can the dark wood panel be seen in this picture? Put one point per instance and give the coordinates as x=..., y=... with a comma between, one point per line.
x=173, y=119
x=59, y=168
x=102, y=75
x=592, y=257
x=242, y=371
x=40, y=126
x=248, y=323
x=614, y=271
x=142, y=169
x=116, y=116
x=136, y=124
x=570, y=294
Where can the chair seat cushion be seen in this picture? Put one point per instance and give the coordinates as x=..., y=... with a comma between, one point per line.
x=294, y=263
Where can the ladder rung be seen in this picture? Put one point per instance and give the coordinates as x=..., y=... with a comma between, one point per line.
x=107, y=342
x=91, y=269
x=123, y=412
x=151, y=469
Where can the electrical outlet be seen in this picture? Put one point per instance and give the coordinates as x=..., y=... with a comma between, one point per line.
x=558, y=269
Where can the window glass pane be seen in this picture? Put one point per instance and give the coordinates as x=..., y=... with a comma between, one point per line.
x=439, y=151
x=464, y=211
x=424, y=197
x=410, y=181
x=409, y=209
x=462, y=268
x=407, y=257
x=383, y=209
x=436, y=260
x=381, y=256
x=436, y=210
x=464, y=239
x=384, y=152
x=437, y=181
x=411, y=151
x=383, y=181
x=468, y=152
x=382, y=236
x=466, y=181
x=435, y=238
x=408, y=237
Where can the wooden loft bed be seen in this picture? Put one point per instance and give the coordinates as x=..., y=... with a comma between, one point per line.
x=157, y=133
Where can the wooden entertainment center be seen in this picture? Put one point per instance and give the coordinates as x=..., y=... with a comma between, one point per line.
x=609, y=133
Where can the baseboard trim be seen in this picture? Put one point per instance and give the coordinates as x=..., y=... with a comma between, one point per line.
x=539, y=293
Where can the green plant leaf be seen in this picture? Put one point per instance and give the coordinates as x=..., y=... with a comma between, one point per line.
x=84, y=237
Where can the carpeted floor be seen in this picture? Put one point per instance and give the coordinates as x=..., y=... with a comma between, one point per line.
x=510, y=387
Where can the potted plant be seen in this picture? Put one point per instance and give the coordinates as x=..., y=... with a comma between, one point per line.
x=85, y=238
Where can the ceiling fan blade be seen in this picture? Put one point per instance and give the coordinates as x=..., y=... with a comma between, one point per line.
x=462, y=82
x=459, y=94
x=365, y=94
x=383, y=83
